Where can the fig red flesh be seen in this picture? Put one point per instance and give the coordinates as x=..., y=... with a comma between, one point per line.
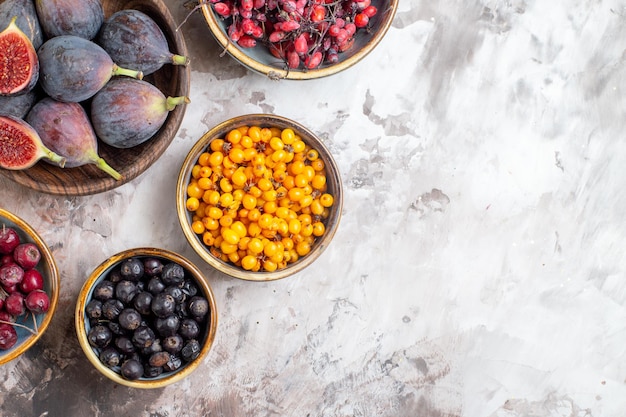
x=19, y=64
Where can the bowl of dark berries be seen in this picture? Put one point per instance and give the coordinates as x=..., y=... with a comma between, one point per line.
x=299, y=39
x=146, y=317
x=29, y=286
x=259, y=197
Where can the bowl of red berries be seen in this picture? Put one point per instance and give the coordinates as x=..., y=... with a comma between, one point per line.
x=146, y=317
x=29, y=286
x=259, y=197
x=299, y=39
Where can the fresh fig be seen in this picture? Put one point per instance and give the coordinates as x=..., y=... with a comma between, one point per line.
x=19, y=105
x=21, y=147
x=127, y=112
x=70, y=17
x=19, y=65
x=134, y=40
x=65, y=128
x=73, y=69
x=27, y=19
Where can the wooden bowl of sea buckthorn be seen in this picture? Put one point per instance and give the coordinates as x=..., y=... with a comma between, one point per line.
x=299, y=40
x=259, y=197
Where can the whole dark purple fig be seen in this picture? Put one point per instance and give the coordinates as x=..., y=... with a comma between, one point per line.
x=70, y=17
x=19, y=105
x=65, y=128
x=134, y=40
x=73, y=69
x=127, y=112
x=27, y=19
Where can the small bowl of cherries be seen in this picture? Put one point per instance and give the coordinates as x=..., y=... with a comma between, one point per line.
x=146, y=317
x=29, y=286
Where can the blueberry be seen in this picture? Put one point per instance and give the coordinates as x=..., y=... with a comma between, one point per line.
x=94, y=309
x=191, y=350
x=142, y=303
x=198, y=307
x=100, y=336
x=132, y=369
x=163, y=305
x=112, y=308
x=173, y=344
x=167, y=326
x=129, y=319
x=152, y=266
x=189, y=329
x=143, y=337
x=125, y=291
x=132, y=269
x=110, y=357
x=173, y=274
x=104, y=290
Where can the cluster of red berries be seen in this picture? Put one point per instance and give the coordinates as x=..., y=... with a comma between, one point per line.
x=302, y=33
x=21, y=284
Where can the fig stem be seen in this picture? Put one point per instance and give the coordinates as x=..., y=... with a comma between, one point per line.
x=172, y=102
x=117, y=70
x=102, y=164
x=179, y=59
x=54, y=157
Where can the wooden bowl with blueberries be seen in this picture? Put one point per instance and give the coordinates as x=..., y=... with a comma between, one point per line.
x=146, y=318
x=299, y=40
x=29, y=286
x=259, y=197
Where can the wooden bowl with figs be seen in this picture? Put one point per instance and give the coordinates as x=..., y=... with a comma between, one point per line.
x=129, y=160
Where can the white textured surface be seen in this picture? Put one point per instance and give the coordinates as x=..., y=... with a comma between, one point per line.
x=479, y=268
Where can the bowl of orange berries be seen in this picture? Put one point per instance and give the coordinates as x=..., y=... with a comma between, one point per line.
x=259, y=197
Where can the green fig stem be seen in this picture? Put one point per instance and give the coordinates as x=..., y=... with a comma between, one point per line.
x=56, y=158
x=102, y=164
x=172, y=102
x=117, y=70
x=179, y=60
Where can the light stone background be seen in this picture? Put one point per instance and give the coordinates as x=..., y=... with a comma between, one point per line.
x=478, y=270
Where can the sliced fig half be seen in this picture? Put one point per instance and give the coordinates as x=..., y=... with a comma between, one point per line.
x=19, y=64
x=21, y=147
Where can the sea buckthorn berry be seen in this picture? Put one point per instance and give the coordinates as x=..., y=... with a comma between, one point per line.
x=216, y=158
x=205, y=183
x=248, y=262
x=236, y=155
x=298, y=146
x=195, y=171
x=230, y=235
x=318, y=229
x=318, y=182
x=326, y=200
x=254, y=132
x=193, y=190
x=198, y=227
x=203, y=159
x=192, y=203
x=234, y=136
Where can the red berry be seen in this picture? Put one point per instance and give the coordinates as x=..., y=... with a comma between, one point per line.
x=362, y=4
x=300, y=45
x=247, y=4
x=318, y=13
x=37, y=301
x=247, y=41
x=9, y=239
x=293, y=60
x=11, y=275
x=8, y=336
x=32, y=281
x=370, y=11
x=333, y=30
x=314, y=60
x=14, y=304
x=276, y=36
x=361, y=20
x=234, y=32
x=350, y=28
x=290, y=25
x=222, y=9
x=258, y=4
x=27, y=255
